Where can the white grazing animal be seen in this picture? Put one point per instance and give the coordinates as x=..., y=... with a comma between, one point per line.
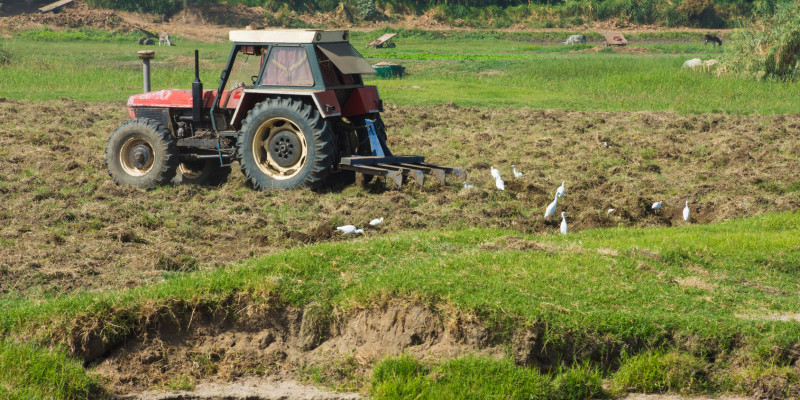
x=707, y=64
x=500, y=184
x=495, y=173
x=686, y=212
x=610, y=210
x=563, y=223
x=656, y=205
x=560, y=191
x=163, y=37
x=693, y=63
x=376, y=221
x=348, y=229
x=516, y=174
x=551, y=209
x=468, y=186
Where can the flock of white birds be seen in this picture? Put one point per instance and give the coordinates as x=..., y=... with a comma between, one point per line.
x=501, y=186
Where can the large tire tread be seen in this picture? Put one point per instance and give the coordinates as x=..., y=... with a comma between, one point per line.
x=323, y=143
x=162, y=138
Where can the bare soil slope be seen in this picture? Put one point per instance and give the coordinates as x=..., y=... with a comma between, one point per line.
x=64, y=225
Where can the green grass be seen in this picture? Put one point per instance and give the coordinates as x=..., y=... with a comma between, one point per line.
x=469, y=70
x=30, y=372
x=462, y=378
x=722, y=287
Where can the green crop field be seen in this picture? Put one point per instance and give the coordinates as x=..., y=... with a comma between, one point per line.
x=642, y=302
x=481, y=72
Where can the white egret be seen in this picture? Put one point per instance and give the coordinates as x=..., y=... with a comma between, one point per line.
x=610, y=210
x=516, y=174
x=563, y=223
x=560, y=191
x=348, y=229
x=551, y=209
x=656, y=205
x=495, y=173
x=376, y=221
x=468, y=186
x=686, y=212
x=501, y=186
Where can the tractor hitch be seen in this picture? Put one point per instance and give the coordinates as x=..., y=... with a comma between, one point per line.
x=394, y=168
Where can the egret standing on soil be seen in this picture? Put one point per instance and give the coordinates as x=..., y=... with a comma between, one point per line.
x=495, y=173
x=350, y=229
x=516, y=174
x=563, y=223
x=686, y=212
x=376, y=221
x=501, y=186
x=560, y=191
x=551, y=209
x=656, y=206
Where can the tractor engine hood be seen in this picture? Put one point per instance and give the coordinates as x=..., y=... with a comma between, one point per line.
x=170, y=98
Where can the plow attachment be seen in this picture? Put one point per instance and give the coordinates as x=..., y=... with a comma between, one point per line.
x=394, y=169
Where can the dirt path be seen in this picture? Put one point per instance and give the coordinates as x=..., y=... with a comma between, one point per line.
x=246, y=389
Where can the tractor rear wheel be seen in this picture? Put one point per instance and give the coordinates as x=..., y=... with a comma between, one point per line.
x=142, y=153
x=201, y=172
x=284, y=143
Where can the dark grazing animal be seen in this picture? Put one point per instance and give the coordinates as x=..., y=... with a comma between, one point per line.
x=713, y=39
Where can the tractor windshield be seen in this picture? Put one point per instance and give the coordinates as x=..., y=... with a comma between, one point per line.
x=288, y=66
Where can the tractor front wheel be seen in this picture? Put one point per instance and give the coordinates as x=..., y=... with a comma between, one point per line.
x=142, y=153
x=284, y=143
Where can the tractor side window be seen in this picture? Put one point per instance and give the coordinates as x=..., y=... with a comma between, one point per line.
x=288, y=66
x=245, y=67
x=331, y=75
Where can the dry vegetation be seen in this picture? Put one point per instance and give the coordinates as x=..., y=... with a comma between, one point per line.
x=66, y=226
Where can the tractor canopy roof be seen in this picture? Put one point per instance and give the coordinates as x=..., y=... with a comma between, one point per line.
x=289, y=36
x=334, y=44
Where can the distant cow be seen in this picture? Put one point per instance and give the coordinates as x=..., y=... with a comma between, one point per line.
x=164, y=37
x=575, y=39
x=713, y=39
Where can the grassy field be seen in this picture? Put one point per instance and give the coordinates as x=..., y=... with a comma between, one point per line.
x=720, y=296
x=632, y=302
x=515, y=71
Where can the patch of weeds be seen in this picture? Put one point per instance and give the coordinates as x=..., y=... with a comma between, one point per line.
x=5, y=56
x=180, y=382
x=649, y=153
x=177, y=261
x=578, y=382
x=467, y=377
x=341, y=374
x=206, y=364
x=659, y=371
x=28, y=371
x=607, y=50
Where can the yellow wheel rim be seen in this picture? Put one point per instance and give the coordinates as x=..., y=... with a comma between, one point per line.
x=279, y=148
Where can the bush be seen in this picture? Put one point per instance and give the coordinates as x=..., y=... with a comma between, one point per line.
x=769, y=49
x=5, y=56
x=366, y=10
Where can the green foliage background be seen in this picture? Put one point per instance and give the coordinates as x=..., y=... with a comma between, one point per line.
x=504, y=13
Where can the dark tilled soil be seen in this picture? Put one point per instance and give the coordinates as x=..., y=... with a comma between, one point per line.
x=64, y=225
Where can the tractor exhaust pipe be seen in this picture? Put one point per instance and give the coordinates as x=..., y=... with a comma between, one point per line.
x=146, y=56
x=197, y=91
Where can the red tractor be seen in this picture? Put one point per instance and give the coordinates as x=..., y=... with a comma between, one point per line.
x=291, y=109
